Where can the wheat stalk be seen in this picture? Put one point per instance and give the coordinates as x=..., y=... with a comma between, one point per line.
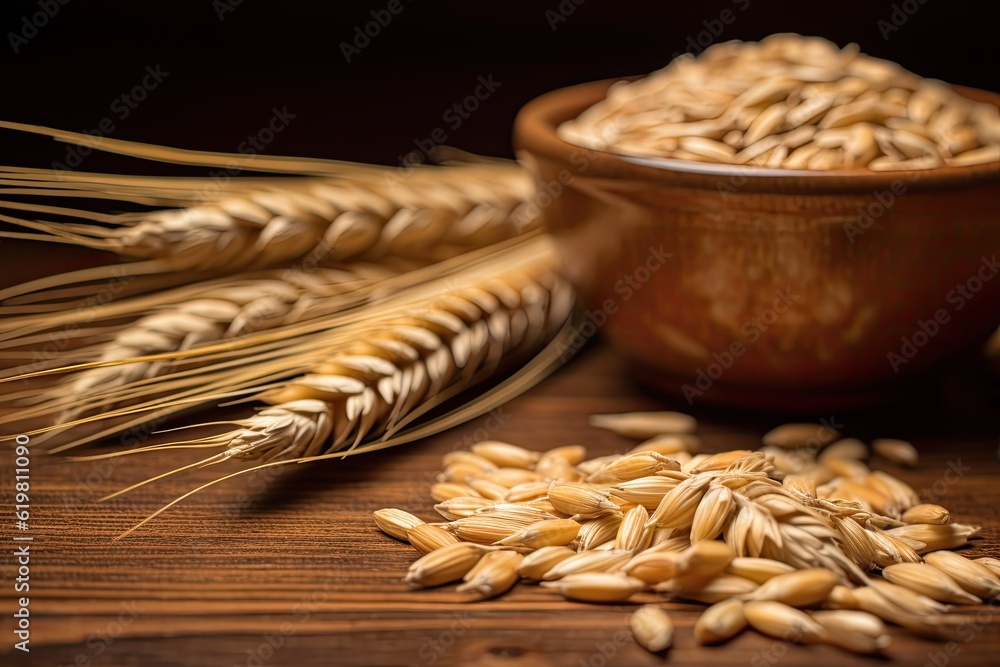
x=188, y=339
x=368, y=387
x=185, y=317
x=365, y=394
x=230, y=313
x=361, y=212
x=320, y=222
x=377, y=383
x=250, y=364
x=286, y=219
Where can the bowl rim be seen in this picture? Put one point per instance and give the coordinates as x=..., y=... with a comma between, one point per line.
x=535, y=133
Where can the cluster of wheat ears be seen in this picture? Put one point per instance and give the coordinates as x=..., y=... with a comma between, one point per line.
x=352, y=306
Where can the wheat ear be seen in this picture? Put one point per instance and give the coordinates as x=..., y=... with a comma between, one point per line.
x=364, y=211
x=404, y=368
x=230, y=314
x=220, y=238
x=249, y=364
x=176, y=326
x=372, y=386
x=367, y=387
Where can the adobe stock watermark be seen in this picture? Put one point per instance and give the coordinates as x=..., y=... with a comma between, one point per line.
x=433, y=649
x=605, y=651
x=898, y=17
x=256, y=483
x=454, y=117
x=101, y=470
x=965, y=632
x=120, y=108
x=867, y=215
x=958, y=297
x=736, y=181
x=363, y=34
x=98, y=642
x=625, y=287
x=302, y=612
x=223, y=7
x=31, y=24
x=253, y=144
x=86, y=312
x=713, y=30
x=828, y=430
x=954, y=473
x=562, y=12
x=776, y=651
x=751, y=331
x=421, y=493
x=547, y=192
x=493, y=422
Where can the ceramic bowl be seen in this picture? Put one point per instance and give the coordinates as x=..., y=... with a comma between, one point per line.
x=767, y=287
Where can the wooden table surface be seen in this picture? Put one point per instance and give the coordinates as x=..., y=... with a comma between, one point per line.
x=288, y=569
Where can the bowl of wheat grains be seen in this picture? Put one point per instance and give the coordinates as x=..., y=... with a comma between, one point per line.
x=775, y=223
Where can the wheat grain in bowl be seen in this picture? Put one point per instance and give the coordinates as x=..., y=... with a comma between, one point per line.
x=790, y=102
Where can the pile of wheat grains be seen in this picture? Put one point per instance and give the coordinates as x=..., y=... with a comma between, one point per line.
x=800, y=539
x=791, y=102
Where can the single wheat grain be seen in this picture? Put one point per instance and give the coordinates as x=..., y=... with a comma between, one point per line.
x=652, y=628
x=494, y=574
x=596, y=586
x=897, y=451
x=426, y=538
x=445, y=565
x=929, y=581
x=396, y=522
x=720, y=622
x=645, y=424
x=927, y=513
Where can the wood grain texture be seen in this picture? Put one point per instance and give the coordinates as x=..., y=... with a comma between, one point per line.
x=286, y=567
